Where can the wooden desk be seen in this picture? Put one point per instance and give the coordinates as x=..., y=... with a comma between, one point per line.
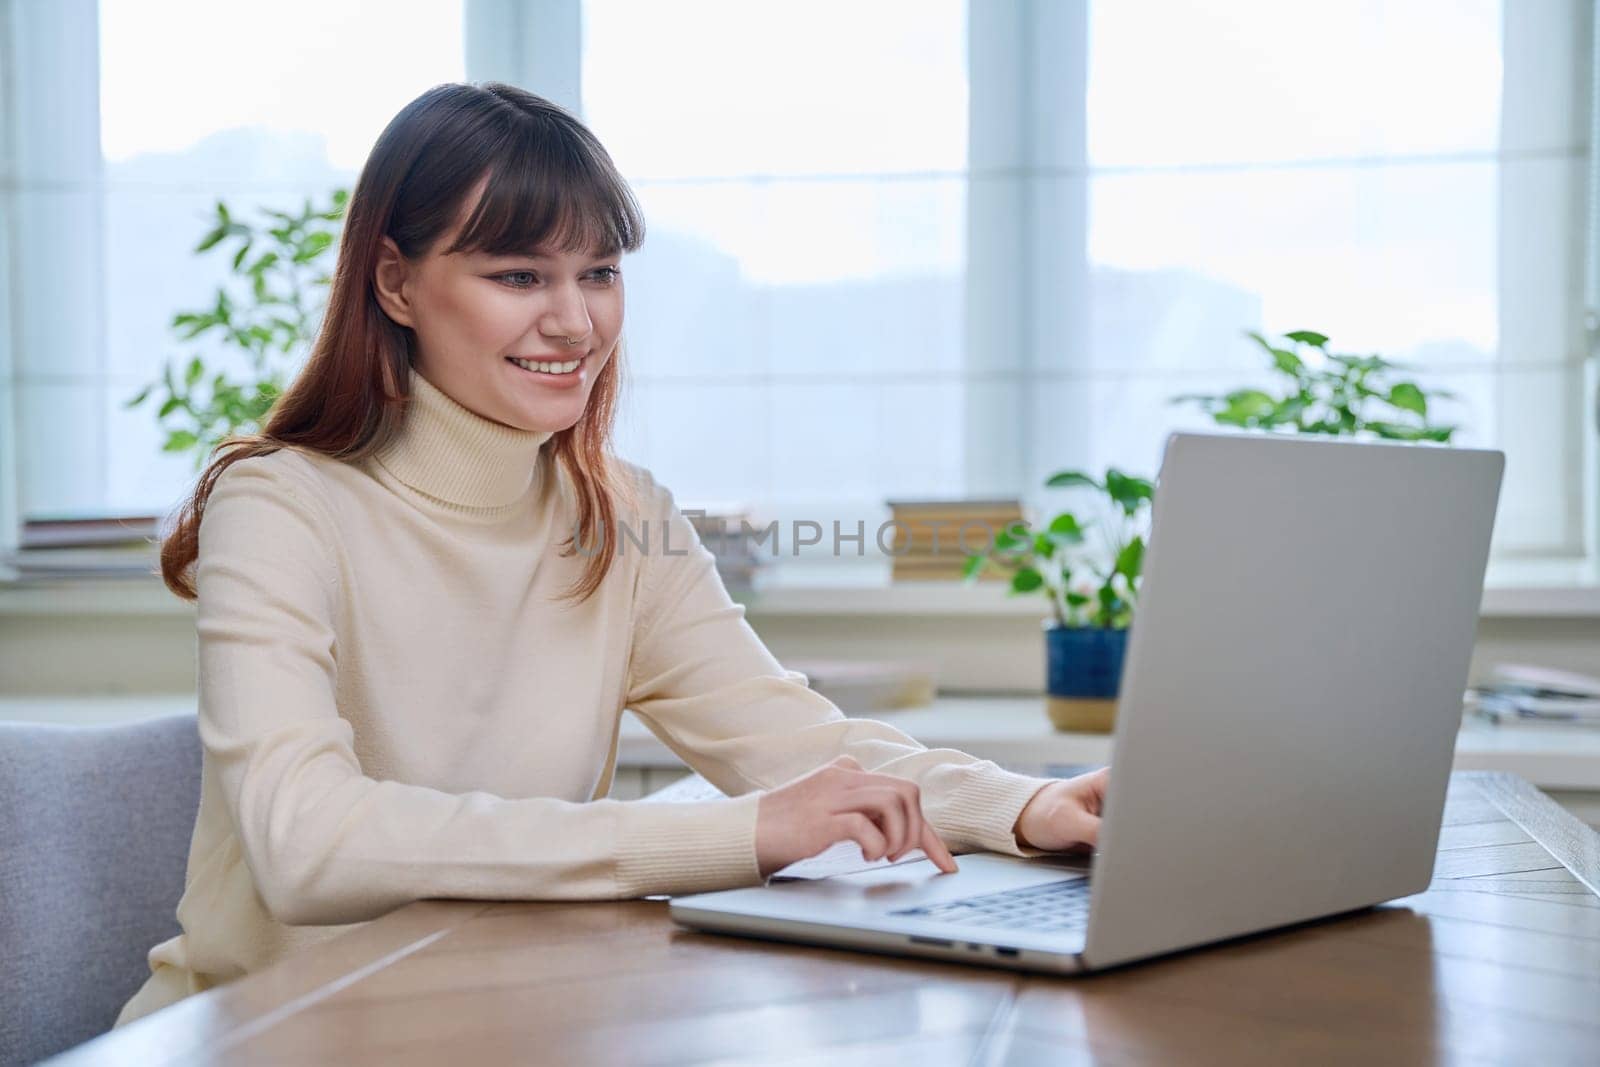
x=1498, y=962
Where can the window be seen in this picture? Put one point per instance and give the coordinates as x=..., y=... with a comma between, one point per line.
x=796, y=315
x=909, y=249
x=1407, y=177
x=899, y=249
x=197, y=102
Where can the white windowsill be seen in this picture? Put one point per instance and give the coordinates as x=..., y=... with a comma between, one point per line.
x=1012, y=731
x=849, y=591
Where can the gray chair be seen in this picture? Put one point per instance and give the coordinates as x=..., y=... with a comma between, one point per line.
x=95, y=824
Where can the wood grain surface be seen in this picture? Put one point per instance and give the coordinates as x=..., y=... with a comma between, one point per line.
x=1497, y=962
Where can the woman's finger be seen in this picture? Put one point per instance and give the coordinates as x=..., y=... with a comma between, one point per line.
x=887, y=808
x=854, y=826
x=922, y=831
x=1095, y=788
x=909, y=800
x=916, y=822
x=934, y=849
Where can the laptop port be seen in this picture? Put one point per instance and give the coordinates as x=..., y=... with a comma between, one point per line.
x=1010, y=952
x=915, y=940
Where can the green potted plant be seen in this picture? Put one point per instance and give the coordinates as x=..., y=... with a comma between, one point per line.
x=273, y=321
x=1089, y=570
x=1329, y=393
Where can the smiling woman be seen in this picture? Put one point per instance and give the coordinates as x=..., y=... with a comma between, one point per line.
x=446, y=202
x=552, y=327
x=410, y=684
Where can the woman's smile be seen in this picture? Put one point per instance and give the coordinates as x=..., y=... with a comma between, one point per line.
x=566, y=374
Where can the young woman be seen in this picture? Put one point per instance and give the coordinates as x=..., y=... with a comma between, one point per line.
x=419, y=622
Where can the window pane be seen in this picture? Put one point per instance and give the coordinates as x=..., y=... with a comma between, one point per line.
x=696, y=88
x=1400, y=258
x=1258, y=80
x=289, y=109
x=800, y=292
x=328, y=74
x=1407, y=177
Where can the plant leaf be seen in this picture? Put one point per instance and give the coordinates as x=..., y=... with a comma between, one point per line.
x=1287, y=361
x=1061, y=479
x=210, y=240
x=1065, y=529
x=1128, y=491
x=1246, y=407
x=1408, y=397
x=1009, y=538
x=1308, y=337
x=1131, y=559
x=1026, y=580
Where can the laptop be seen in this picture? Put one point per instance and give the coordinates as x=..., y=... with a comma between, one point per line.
x=1289, y=706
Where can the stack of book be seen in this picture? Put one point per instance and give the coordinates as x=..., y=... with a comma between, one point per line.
x=1523, y=694
x=57, y=547
x=722, y=532
x=932, y=538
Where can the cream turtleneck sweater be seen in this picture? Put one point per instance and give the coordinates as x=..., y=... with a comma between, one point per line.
x=395, y=705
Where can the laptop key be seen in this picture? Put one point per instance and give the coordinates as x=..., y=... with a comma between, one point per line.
x=1052, y=906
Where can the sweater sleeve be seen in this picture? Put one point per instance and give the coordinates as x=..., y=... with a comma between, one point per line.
x=324, y=842
x=704, y=683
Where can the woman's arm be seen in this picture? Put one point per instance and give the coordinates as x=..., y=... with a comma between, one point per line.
x=701, y=680
x=324, y=842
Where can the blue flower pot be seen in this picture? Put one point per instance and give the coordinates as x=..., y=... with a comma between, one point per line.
x=1083, y=673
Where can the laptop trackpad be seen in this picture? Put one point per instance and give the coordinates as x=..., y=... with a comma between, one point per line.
x=911, y=883
x=845, y=857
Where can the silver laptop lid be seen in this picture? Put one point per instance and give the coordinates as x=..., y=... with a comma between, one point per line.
x=1293, y=685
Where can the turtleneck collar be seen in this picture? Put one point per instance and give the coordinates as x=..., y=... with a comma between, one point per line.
x=458, y=456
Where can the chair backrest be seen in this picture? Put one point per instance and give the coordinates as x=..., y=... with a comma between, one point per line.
x=95, y=823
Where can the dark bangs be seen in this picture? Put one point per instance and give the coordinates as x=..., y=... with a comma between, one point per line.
x=552, y=187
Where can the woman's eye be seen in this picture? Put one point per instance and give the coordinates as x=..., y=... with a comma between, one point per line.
x=527, y=274
x=607, y=275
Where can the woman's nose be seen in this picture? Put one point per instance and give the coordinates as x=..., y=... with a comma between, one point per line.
x=568, y=316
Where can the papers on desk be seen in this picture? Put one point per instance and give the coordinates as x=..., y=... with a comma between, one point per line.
x=1524, y=694
x=842, y=858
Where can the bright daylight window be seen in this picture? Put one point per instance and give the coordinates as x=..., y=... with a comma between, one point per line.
x=1407, y=177
x=796, y=315
x=910, y=248
x=199, y=102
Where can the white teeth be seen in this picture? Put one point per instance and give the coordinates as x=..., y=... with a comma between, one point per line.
x=547, y=368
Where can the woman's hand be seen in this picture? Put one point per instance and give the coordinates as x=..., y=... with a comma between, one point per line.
x=841, y=802
x=1064, y=816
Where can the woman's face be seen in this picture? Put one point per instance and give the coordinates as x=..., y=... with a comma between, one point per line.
x=472, y=311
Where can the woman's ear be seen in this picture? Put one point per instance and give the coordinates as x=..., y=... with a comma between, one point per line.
x=389, y=283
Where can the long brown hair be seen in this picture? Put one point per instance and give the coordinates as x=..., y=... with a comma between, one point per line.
x=551, y=185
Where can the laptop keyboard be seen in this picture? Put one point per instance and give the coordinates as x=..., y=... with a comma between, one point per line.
x=1054, y=906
